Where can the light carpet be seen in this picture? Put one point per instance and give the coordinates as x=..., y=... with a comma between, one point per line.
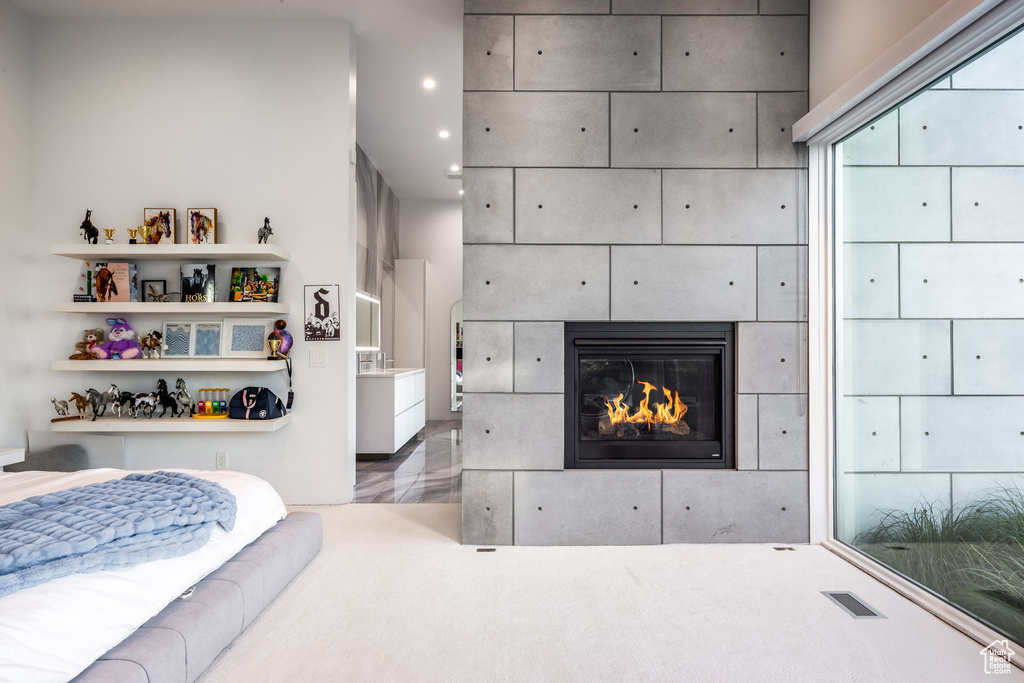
x=393, y=596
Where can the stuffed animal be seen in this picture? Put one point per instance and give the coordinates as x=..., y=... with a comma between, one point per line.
x=89, y=339
x=121, y=342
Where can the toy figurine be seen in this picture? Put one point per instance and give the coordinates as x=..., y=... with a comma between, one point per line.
x=89, y=339
x=88, y=230
x=98, y=402
x=165, y=400
x=284, y=339
x=60, y=406
x=123, y=403
x=81, y=404
x=184, y=398
x=121, y=342
x=152, y=345
x=144, y=403
x=264, y=232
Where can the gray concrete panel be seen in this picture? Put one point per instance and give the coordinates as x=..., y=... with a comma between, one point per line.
x=784, y=6
x=761, y=507
x=537, y=6
x=772, y=358
x=668, y=7
x=895, y=204
x=871, y=281
x=962, y=280
x=487, y=53
x=701, y=207
x=982, y=486
x=487, y=205
x=877, y=144
x=896, y=357
x=619, y=53
x=988, y=357
x=963, y=128
x=735, y=53
x=487, y=357
x=776, y=114
x=581, y=507
x=486, y=507
x=876, y=494
x=746, y=431
x=588, y=206
x=988, y=204
x=1001, y=68
x=782, y=431
x=962, y=433
x=539, y=355
x=683, y=130
x=523, y=282
x=869, y=434
x=782, y=283
x=684, y=283
x=535, y=129
x=512, y=432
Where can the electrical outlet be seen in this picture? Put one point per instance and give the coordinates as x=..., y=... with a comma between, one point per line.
x=222, y=460
x=317, y=358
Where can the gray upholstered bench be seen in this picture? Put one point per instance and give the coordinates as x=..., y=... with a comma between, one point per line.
x=180, y=642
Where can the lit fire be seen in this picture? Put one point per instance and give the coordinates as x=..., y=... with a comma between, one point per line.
x=669, y=413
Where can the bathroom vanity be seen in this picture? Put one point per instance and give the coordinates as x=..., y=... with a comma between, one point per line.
x=390, y=410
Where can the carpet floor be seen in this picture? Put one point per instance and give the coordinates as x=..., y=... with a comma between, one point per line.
x=393, y=596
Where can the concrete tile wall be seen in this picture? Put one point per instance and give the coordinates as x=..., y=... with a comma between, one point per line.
x=932, y=219
x=632, y=160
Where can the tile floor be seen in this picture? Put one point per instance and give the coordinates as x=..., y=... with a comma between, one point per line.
x=428, y=469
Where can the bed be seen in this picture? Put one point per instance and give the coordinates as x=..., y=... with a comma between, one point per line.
x=130, y=624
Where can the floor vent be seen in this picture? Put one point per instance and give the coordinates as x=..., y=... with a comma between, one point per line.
x=782, y=547
x=486, y=550
x=853, y=605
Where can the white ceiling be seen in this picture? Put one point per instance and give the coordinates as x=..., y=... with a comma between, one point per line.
x=399, y=43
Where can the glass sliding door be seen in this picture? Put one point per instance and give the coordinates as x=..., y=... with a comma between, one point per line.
x=929, y=329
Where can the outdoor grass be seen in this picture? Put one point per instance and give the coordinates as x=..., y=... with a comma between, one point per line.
x=972, y=555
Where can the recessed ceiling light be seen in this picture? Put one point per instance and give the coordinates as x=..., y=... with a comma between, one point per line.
x=443, y=133
x=455, y=167
x=429, y=84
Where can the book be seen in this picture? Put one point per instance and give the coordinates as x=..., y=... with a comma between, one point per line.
x=111, y=281
x=133, y=282
x=255, y=284
x=84, y=286
x=199, y=282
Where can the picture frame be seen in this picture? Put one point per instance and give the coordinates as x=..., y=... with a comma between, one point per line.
x=154, y=291
x=208, y=338
x=246, y=337
x=201, y=225
x=322, y=312
x=162, y=225
x=254, y=284
x=180, y=339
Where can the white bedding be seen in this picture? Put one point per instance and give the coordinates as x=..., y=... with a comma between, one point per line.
x=54, y=631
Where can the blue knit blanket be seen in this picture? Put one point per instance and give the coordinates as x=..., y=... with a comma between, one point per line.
x=109, y=525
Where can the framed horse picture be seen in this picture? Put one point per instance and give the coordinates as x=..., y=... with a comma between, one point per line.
x=160, y=226
x=202, y=226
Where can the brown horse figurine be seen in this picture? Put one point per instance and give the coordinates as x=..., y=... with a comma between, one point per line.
x=81, y=403
x=152, y=344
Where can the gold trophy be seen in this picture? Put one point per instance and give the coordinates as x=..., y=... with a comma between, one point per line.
x=132, y=233
x=109, y=232
x=144, y=233
x=275, y=344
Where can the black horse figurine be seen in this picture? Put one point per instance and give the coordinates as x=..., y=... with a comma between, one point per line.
x=165, y=400
x=89, y=231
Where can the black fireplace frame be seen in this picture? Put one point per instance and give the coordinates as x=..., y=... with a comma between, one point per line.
x=588, y=338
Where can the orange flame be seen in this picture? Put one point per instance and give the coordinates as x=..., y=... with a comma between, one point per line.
x=670, y=413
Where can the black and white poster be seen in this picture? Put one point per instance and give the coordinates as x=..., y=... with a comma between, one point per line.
x=323, y=313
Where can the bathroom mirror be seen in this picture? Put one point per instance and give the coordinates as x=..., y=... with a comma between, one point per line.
x=456, y=331
x=367, y=322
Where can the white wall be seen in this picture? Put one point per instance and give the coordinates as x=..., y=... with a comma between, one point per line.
x=255, y=118
x=432, y=230
x=14, y=220
x=847, y=36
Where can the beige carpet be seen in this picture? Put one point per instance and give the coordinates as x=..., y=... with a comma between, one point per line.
x=393, y=596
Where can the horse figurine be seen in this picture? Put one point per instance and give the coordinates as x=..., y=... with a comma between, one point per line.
x=98, y=401
x=184, y=398
x=264, y=232
x=81, y=403
x=123, y=403
x=89, y=231
x=164, y=399
x=143, y=403
x=60, y=406
x=152, y=345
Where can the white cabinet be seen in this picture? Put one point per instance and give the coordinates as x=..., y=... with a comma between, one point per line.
x=390, y=409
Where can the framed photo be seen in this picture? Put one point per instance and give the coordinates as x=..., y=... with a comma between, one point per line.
x=260, y=284
x=180, y=340
x=207, y=339
x=154, y=291
x=246, y=337
x=202, y=226
x=161, y=226
x=323, y=313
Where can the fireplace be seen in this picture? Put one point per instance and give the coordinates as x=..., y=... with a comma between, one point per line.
x=649, y=395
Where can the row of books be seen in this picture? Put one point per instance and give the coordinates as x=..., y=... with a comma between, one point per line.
x=118, y=281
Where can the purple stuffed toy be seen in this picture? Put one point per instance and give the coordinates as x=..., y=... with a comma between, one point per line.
x=120, y=342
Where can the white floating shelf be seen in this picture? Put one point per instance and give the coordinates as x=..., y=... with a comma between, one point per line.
x=168, y=424
x=123, y=308
x=169, y=252
x=169, y=365
x=9, y=456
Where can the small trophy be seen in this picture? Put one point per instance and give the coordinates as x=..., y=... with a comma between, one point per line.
x=109, y=232
x=132, y=233
x=275, y=345
x=144, y=231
